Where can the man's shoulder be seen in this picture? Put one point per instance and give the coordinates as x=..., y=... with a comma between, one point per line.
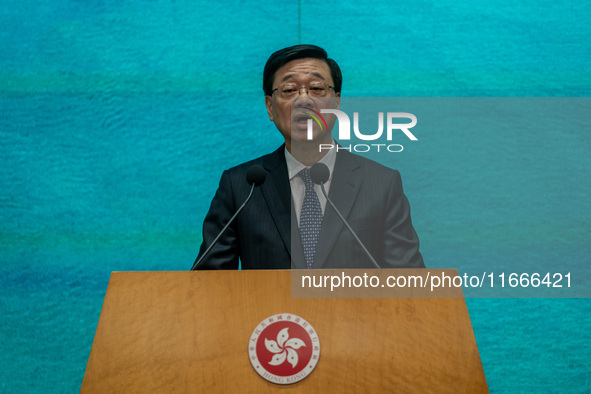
x=366, y=164
x=268, y=161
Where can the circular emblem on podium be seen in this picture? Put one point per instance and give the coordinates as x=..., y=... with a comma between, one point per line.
x=284, y=348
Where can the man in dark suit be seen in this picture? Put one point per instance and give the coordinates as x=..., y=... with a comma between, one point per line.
x=288, y=223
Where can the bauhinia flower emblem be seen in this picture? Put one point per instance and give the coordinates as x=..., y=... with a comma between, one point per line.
x=284, y=348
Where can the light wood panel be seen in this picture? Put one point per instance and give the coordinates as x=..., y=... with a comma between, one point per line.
x=182, y=332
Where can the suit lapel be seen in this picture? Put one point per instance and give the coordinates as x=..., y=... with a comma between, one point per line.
x=344, y=187
x=298, y=259
x=277, y=193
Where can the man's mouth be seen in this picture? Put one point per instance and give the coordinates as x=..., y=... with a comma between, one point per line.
x=301, y=119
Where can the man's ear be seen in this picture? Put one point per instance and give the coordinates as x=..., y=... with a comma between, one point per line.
x=269, y=104
x=338, y=100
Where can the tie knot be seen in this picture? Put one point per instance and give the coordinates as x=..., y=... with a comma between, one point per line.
x=305, y=175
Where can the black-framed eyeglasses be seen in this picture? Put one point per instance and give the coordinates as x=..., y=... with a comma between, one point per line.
x=292, y=90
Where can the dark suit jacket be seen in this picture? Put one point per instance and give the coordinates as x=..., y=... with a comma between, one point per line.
x=265, y=234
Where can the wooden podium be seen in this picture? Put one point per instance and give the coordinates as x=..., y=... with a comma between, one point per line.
x=188, y=332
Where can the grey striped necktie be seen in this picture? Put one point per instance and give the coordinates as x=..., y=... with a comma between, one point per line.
x=310, y=218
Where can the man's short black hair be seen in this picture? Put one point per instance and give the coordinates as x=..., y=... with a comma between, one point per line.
x=286, y=55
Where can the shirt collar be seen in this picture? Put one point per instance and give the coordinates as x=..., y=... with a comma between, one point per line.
x=294, y=166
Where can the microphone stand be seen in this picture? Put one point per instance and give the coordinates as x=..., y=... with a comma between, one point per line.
x=223, y=230
x=349, y=227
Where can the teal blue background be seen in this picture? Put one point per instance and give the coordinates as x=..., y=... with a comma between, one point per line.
x=118, y=117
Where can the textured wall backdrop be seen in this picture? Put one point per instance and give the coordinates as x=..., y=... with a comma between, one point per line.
x=112, y=118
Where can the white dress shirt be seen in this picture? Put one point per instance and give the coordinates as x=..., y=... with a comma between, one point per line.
x=298, y=188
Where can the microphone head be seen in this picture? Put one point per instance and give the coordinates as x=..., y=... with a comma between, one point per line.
x=319, y=173
x=255, y=175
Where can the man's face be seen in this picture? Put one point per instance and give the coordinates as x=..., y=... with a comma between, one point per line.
x=294, y=125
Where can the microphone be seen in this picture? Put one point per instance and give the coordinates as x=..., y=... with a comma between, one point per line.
x=319, y=173
x=255, y=176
